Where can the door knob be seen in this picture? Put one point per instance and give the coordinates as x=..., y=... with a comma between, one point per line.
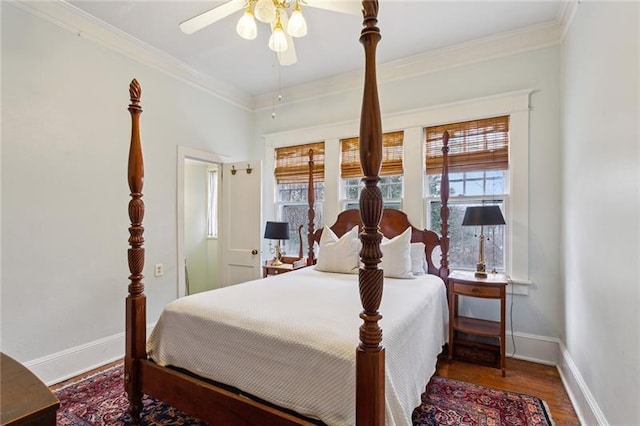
x=254, y=251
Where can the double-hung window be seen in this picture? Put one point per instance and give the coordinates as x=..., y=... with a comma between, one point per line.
x=478, y=175
x=391, y=171
x=292, y=190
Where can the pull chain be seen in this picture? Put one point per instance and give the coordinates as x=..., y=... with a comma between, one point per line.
x=278, y=84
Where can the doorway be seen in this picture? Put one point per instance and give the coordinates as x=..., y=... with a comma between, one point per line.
x=199, y=243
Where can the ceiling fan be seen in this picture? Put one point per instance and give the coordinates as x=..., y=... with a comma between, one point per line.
x=284, y=26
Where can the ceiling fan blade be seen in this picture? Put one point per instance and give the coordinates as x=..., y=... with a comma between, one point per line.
x=288, y=57
x=350, y=7
x=198, y=22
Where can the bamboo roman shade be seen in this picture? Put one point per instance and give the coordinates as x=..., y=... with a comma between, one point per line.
x=473, y=145
x=392, y=150
x=292, y=163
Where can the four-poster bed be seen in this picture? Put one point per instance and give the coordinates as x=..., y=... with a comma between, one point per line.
x=221, y=402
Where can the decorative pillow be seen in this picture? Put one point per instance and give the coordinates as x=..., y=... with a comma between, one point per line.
x=418, y=259
x=436, y=256
x=339, y=254
x=396, y=256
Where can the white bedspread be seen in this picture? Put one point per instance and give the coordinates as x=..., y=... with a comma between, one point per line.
x=291, y=340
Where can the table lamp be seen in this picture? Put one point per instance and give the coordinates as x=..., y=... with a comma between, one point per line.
x=482, y=216
x=277, y=231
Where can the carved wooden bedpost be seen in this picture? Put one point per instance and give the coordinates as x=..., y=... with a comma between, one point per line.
x=135, y=342
x=444, y=208
x=311, y=197
x=370, y=356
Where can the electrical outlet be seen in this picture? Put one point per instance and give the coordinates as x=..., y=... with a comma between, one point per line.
x=159, y=270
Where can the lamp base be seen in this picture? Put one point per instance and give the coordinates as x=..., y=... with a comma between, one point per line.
x=277, y=259
x=481, y=270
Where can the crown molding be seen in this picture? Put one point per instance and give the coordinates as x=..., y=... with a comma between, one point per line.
x=566, y=14
x=72, y=19
x=475, y=51
x=75, y=20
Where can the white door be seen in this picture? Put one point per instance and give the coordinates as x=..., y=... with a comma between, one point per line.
x=242, y=221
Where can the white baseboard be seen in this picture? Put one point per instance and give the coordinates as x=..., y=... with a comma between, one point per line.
x=551, y=351
x=530, y=347
x=63, y=365
x=584, y=403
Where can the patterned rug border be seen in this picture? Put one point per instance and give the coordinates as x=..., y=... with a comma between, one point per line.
x=440, y=404
x=547, y=411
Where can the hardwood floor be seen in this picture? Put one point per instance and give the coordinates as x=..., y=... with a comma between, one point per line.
x=84, y=375
x=523, y=377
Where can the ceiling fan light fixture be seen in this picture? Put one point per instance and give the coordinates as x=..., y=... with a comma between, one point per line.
x=265, y=11
x=278, y=40
x=246, y=27
x=297, y=26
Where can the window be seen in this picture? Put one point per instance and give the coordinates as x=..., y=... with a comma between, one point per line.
x=391, y=171
x=478, y=175
x=212, y=203
x=292, y=187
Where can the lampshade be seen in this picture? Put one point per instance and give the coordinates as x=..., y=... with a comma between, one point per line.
x=483, y=215
x=246, y=27
x=297, y=26
x=278, y=39
x=277, y=231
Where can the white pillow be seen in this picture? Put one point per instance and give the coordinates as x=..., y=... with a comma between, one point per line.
x=419, y=264
x=339, y=254
x=396, y=256
x=436, y=256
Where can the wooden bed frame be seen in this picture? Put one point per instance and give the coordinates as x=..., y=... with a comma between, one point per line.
x=217, y=404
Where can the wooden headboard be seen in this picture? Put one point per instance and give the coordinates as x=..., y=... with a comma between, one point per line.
x=393, y=223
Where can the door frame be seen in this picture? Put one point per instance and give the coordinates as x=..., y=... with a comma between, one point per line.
x=185, y=153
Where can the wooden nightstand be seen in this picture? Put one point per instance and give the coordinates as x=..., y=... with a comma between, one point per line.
x=493, y=287
x=287, y=266
x=25, y=399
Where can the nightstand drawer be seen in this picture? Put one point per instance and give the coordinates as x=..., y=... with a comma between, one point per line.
x=476, y=290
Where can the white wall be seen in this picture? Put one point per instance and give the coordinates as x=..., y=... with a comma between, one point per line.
x=539, y=313
x=65, y=137
x=601, y=206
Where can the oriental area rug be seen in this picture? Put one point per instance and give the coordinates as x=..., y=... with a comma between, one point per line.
x=100, y=400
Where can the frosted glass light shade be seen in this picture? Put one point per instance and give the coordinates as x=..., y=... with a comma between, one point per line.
x=278, y=40
x=265, y=11
x=246, y=27
x=297, y=26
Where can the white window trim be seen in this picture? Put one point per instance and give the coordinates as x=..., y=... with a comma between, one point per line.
x=515, y=104
x=213, y=216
